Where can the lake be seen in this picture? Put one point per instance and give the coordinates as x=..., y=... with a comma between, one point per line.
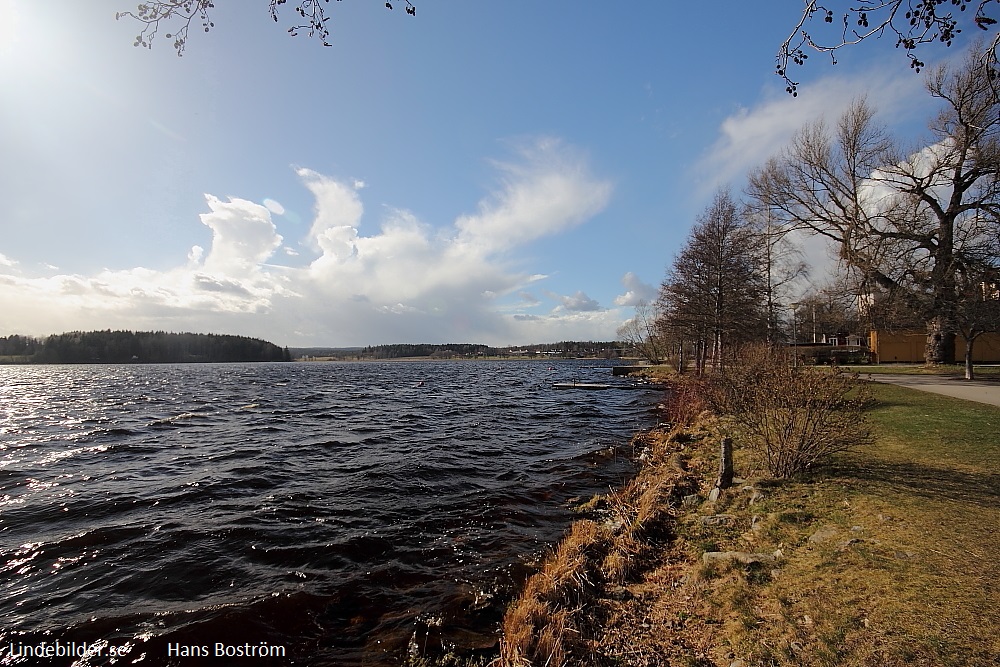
x=307, y=513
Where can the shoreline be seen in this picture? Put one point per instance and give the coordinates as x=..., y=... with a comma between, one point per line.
x=852, y=564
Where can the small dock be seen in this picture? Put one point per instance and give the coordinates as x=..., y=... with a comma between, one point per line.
x=581, y=385
x=600, y=385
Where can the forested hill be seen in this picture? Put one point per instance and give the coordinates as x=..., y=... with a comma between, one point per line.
x=565, y=349
x=124, y=347
x=400, y=351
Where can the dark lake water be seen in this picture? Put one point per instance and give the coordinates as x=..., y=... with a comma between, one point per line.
x=346, y=513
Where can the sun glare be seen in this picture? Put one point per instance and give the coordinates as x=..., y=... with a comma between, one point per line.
x=10, y=33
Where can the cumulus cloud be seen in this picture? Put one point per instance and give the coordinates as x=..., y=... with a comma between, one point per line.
x=579, y=302
x=403, y=279
x=243, y=236
x=636, y=291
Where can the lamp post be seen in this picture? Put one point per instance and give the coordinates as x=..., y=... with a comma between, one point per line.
x=795, y=337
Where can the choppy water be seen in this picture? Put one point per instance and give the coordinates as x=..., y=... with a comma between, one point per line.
x=335, y=510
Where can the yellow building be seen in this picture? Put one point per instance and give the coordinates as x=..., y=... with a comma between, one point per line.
x=889, y=347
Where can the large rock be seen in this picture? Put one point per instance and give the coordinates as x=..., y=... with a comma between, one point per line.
x=824, y=534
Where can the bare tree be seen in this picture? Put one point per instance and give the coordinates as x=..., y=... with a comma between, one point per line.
x=829, y=309
x=641, y=333
x=712, y=293
x=908, y=225
x=179, y=15
x=781, y=263
x=978, y=309
x=913, y=23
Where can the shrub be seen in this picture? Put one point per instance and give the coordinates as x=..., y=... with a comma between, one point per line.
x=791, y=418
x=685, y=400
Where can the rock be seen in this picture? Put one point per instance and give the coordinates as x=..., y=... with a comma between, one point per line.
x=824, y=534
x=725, y=557
x=691, y=501
x=714, y=494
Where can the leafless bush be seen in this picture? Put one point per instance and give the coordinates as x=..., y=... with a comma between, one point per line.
x=791, y=418
x=685, y=400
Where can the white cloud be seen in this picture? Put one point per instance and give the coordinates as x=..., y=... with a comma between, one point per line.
x=337, y=207
x=407, y=280
x=749, y=136
x=595, y=325
x=529, y=299
x=243, y=236
x=579, y=302
x=6, y=261
x=548, y=190
x=636, y=291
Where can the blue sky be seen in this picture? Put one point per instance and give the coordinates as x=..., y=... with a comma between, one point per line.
x=504, y=173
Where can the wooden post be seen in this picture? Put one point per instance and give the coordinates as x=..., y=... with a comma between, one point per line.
x=725, y=464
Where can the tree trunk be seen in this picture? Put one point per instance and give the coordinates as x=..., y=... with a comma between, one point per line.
x=680, y=357
x=969, y=372
x=940, y=348
x=717, y=351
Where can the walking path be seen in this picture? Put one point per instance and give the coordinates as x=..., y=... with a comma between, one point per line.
x=981, y=391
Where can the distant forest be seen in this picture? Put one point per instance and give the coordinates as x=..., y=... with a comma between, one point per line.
x=139, y=347
x=564, y=349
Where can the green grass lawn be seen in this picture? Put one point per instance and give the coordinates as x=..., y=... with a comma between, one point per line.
x=952, y=370
x=889, y=556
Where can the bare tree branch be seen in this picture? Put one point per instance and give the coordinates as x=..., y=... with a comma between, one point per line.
x=184, y=13
x=912, y=22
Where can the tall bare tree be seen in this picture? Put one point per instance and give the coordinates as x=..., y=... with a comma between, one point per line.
x=782, y=267
x=712, y=293
x=908, y=224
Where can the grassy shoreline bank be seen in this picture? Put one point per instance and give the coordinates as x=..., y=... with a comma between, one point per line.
x=885, y=556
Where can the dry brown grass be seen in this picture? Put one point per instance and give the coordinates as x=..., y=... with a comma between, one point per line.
x=558, y=617
x=543, y=626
